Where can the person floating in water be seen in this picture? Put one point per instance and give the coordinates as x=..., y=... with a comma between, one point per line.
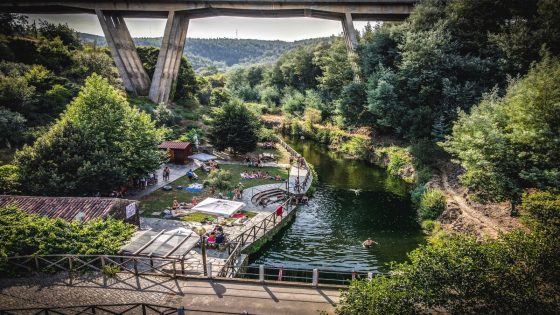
x=368, y=243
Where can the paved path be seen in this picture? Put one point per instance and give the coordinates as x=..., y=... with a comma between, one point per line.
x=202, y=295
x=176, y=172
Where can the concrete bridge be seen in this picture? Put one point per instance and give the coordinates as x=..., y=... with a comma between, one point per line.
x=111, y=14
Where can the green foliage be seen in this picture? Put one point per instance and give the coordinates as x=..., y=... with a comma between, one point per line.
x=99, y=142
x=357, y=147
x=397, y=160
x=234, y=127
x=12, y=126
x=9, y=179
x=221, y=179
x=189, y=136
x=431, y=205
x=514, y=274
x=111, y=270
x=543, y=209
x=25, y=234
x=508, y=144
x=267, y=135
x=163, y=115
x=352, y=107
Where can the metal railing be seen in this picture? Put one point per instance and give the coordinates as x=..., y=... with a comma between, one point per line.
x=315, y=277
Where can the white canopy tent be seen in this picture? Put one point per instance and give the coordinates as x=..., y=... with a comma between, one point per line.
x=203, y=157
x=220, y=207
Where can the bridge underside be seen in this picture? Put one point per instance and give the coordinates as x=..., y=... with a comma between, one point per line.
x=111, y=15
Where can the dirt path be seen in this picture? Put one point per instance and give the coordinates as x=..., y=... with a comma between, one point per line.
x=465, y=215
x=472, y=216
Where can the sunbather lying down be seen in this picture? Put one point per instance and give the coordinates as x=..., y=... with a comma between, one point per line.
x=259, y=174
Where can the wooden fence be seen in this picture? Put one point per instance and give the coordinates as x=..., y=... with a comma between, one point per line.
x=137, y=308
x=106, y=264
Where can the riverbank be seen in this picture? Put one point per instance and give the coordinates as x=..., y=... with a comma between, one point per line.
x=441, y=201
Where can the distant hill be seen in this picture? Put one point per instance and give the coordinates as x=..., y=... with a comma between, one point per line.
x=220, y=52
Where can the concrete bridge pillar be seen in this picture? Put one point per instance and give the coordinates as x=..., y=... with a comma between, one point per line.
x=121, y=45
x=351, y=38
x=169, y=58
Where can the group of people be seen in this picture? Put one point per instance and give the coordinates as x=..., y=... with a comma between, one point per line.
x=216, y=237
x=166, y=173
x=269, y=145
x=253, y=162
x=146, y=180
x=210, y=166
x=176, y=205
x=259, y=174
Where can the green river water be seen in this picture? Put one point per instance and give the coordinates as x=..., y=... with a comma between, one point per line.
x=327, y=234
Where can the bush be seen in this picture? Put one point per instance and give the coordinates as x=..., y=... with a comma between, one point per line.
x=432, y=204
x=267, y=135
x=357, y=147
x=221, y=179
x=27, y=234
x=9, y=179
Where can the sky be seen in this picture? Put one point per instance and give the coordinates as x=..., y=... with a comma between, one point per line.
x=287, y=29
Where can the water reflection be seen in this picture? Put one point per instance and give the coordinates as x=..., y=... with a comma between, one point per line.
x=328, y=233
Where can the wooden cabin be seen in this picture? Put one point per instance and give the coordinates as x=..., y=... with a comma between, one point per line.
x=178, y=152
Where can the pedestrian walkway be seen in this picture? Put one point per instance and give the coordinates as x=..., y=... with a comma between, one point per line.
x=176, y=172
x=197, y=296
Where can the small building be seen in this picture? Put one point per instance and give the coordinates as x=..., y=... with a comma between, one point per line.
x=178, y=152
x=75, y=208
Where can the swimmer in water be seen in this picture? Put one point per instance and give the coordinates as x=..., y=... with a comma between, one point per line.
x=368, y=243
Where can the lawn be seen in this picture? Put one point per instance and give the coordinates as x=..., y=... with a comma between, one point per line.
x=160, y=199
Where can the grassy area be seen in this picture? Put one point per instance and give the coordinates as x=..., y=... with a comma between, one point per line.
x=160, y=199
x=282, y=156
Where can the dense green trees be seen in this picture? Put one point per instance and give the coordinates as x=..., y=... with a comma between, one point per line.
x=25, y=234
x=507, y=144
x=514, y=274
x=234, y=127
x=98, y=143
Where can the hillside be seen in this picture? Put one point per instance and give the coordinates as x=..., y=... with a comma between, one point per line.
x=220, y=52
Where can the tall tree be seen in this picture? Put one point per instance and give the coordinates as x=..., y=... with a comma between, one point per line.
x=98, y=143
x=509, y=144
x=234, y=127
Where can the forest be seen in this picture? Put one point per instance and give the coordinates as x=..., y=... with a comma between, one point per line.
x=220, y=53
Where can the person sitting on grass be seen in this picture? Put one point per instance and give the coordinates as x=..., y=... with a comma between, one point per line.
x=194, y=201
x=175, y=204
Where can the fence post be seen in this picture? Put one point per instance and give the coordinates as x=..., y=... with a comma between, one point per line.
x=280, y=273
x=174, y=267
x=315, y=278
x=209, y=267
x=70, y=269
x=143, y=309
x=103, y=270
x=37, y=263
x=181, y=310
x=183, y=265
x=135, y=266
x=370, y=275
x=261, y=273
x=353, y=275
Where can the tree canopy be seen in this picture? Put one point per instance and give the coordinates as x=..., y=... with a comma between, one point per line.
x=234, y=127
x=98, y=143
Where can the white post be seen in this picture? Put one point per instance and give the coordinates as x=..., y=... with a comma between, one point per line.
x=261, y=273
x=370, y=275
x=209, y=269
x=315, y=280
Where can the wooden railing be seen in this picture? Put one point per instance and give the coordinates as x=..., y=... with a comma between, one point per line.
x=106, y=264
x=250, y=235
x=137, y=308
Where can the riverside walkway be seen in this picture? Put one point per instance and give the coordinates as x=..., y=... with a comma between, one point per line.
x=196, y=296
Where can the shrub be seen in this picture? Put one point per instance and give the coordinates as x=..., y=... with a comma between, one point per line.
x=221, y=179
x=357, y=147
x=111, y=270
x=432, y=204
x=9, y=179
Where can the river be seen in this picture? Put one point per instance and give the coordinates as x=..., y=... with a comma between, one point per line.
x=327, y=234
